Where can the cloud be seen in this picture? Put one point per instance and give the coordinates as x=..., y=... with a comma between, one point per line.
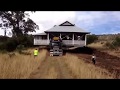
x=47, y=19
x=96, y=22
x=99, y=22
x=84, y=19
x=53, y=16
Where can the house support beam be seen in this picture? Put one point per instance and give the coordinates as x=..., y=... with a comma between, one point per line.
x=85, y=39
x=48, y=38
x=73, y=39
x=60, y=35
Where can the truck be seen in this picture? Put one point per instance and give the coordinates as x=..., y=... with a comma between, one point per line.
x=56, y=47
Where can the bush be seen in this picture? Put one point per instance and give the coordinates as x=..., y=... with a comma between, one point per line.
x=20, y=48
x=26, y=40
x=2, y=46
x=110, y=45
x=116, y=42
x=102, y=42
x=11, y=44
x=107, y=44
x=3, y=39
x=91, y=38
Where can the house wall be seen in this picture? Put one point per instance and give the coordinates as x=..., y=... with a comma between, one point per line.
x=65, y=36
x=42, y=37
x=40, y=40
x=72, y=40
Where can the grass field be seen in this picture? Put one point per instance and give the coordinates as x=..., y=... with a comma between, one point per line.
x=83, y=70
x=102, y=48
x=19, y=66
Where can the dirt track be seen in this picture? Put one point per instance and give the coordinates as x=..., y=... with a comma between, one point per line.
x=104, y=60
x=52, y=67
x=55, y=67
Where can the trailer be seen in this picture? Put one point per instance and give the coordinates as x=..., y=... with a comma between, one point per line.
x=56, y=47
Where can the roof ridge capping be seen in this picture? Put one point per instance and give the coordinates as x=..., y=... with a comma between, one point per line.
x=67, y=23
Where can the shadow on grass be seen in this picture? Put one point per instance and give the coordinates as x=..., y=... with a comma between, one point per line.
x=82, y=50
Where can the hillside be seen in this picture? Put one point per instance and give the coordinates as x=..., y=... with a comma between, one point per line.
x=106, y=37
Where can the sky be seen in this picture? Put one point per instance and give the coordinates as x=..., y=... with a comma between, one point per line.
x=96, y=22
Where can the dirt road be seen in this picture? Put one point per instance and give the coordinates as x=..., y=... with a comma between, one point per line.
x=52, y=67
x=62, y=68
x=104, y=60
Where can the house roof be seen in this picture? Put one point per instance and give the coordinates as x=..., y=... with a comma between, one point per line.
x=66, y=27
x=66, y=23
x=41, y=34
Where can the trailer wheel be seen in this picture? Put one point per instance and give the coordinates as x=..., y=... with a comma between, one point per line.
x=60, y=55
x=51, y=54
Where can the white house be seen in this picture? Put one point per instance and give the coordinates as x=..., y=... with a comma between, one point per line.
x=70, y=34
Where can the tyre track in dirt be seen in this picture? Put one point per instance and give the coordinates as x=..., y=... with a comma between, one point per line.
x=103, y=60
x=56, y=68
x=52, y=68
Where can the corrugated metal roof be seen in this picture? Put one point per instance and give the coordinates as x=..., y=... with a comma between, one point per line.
x=66, y=29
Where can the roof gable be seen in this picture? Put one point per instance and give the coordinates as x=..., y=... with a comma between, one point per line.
x=66, y=27
x=66, y=23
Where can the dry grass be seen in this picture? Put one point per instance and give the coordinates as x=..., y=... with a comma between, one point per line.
x=97, y=45
x=52, y=74
x=102, y=48
x=19, y=66
x=83, y=70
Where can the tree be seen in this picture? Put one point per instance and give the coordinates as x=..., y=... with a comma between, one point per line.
x=19, y=21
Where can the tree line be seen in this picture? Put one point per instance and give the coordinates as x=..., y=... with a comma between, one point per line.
x=20, y=24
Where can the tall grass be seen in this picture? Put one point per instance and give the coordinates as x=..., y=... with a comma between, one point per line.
x=83, y=70
x=19, y=66
x=52, y=74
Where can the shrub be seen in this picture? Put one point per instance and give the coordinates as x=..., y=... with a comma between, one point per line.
x=107, y=44
x=11, y=44
x=3, y=39
x=116, y=42
x=2, y=46
x=91, y=38
x=26, y=40
x=20, y=48
x=102, y=42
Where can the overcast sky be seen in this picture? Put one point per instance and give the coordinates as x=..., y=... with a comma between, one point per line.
x=97, y=22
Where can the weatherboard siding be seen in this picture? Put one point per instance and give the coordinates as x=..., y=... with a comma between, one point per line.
x=40, y=42
x=66, y=42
